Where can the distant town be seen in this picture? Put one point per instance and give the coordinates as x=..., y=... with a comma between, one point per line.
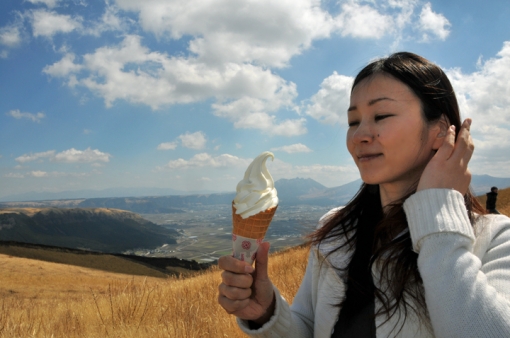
x=206, y=232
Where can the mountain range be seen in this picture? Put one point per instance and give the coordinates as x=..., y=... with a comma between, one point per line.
x=89, y=193
x=291, y=192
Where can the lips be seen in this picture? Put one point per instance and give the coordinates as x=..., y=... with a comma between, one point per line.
x=368, y=157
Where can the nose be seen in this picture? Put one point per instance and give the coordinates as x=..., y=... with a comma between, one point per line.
x=363, y=133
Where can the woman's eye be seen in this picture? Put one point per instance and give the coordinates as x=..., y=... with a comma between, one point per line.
x=381, y=117
x=353, y=123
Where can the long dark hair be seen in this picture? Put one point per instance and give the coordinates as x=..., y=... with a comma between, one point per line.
x=381, y=238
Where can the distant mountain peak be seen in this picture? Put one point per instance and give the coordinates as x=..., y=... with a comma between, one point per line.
x=290, y=189
x=299, y=181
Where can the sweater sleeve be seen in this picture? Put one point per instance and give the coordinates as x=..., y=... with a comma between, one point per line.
x=286, y=322
x=466, y=295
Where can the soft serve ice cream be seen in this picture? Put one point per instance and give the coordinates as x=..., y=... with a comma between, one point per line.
x=256, y=191
x=253, y=208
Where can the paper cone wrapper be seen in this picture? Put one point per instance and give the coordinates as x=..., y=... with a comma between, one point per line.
x=249, y=232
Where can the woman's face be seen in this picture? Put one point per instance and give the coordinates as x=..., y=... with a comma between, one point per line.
x=388, y=137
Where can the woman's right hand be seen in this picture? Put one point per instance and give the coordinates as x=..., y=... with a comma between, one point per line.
x=247, y=292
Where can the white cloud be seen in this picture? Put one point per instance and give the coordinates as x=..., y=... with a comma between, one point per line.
x=167, y=146
x=488, y=166
x=405, y=15
x=14, y=175
x=17, y=114
x=67, y=156
x=293, y=148
x=239, y=145
x=205, y=160
x=39, y=173
x=44, y=174
x=363, y=21
x=33, y=157
x=484, y=95
x=48, y=23
x=71, y=174
x=233, y=49
x=331, y=102
x=87, y=131
x=49, y=3
x=433, y=23
x=195, y=140
x=255, y=113
x=264, y=32
x=111, y=20
x=244, y=117
x=189, y=140
x=63, y=67
x=246, y=94
x=230, y=48
x=10, y=36
x=82, y=156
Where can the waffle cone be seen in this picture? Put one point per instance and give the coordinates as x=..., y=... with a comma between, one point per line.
x=254, y=226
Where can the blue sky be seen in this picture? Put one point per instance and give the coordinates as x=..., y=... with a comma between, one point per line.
x=183, y=94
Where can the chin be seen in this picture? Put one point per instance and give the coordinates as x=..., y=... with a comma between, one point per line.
x=370, y=180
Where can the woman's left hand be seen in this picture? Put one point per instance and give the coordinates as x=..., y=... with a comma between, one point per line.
x=448, y=169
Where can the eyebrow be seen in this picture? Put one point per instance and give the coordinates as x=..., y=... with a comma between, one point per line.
x=371, y=102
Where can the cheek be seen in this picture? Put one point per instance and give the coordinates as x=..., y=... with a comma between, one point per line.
x=383, y=136
x=349, y=143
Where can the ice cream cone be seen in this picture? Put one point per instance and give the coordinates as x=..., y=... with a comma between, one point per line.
x=254, y=226
x=253, y=209
x=249, y=232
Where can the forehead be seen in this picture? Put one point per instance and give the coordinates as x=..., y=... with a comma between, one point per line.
x=381, y=86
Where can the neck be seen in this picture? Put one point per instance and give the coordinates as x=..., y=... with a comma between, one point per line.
x=391, y=193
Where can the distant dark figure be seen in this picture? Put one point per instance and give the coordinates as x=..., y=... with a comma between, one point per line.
x=492, y=197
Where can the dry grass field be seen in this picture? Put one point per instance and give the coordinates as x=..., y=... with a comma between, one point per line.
x=50, y=299
x=45, y=299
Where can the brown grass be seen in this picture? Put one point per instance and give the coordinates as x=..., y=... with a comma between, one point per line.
x=105, y=262
x=44, y=299
x=503, y=202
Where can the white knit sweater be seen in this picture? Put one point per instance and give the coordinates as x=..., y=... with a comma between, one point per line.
x=465, y=272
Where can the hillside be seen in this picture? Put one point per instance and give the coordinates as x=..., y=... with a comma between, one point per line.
x=56, y=300
x=157, y=204
x=503, y=202
x=114, y=263
x=146, y=205
x=100, y=229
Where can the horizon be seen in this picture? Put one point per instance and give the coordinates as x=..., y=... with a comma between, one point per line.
x=127, y=192
x=115, y=95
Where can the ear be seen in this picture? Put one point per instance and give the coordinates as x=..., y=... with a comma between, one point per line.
x=440, y=130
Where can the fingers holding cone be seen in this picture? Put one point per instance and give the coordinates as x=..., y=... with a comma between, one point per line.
x=245, y=291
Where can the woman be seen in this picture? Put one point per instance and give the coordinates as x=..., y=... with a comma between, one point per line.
x=412, y=255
